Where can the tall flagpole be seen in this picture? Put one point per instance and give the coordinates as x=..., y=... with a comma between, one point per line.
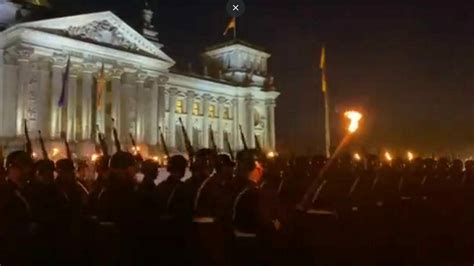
x=235, y=28
x=324, y=89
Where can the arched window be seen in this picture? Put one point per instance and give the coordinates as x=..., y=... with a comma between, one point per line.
x=196, y=108
x=212, y=110
x=179, y=107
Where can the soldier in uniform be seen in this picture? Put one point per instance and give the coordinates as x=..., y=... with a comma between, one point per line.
x=210, y=203
x=47, y=208
x=15, y=212
x=146, y=227
x=251, y=215
x=173, y=211
x=118, y=209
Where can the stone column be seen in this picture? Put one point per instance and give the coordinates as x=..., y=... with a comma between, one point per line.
x=101, y=103
x=116, y=84
x=43, y=95
x=9, y=98
x=59, y=63
x=250, y=136
x=154, y=114
x=87, y=103
x=270, y=104
x=172, y=116
x=161, y=102
x=141, y=110
x=189, y=117
x=72, y=105
x=220, y=122
x=23, y=76
x=205, y=119
x=235, y=126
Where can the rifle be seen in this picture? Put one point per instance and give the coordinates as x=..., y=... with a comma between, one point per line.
x=229, y=148
x=43, y=147
x=29, y=147
x=103, y=143
x=66, y=143
x=163, y=142
x=242, y=137
x=116, y=138
x=187, y=142
x=134, y=144
x=213, y=142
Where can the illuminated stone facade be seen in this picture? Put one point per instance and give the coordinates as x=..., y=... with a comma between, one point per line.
x=142, y=93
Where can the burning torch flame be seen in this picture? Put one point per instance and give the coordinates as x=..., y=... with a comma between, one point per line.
x=357, y=157
x=94, y=157
x=156, y=159
x=388, y=156
x=271, y=155
x=410, y=156
x=55, y=151
x=355, y=117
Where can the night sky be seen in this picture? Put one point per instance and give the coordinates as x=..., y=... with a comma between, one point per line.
x=409, y=68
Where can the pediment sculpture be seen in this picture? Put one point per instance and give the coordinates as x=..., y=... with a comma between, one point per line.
x=101, y=31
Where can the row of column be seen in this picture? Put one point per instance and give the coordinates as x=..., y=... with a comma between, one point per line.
x=247, y=121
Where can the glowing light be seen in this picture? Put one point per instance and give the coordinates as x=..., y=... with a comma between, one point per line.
x=55, y=151
x=94, y=157
x=156, y=158
x=388, y=156
x=271, y=154
x=410, y=156
x=34, y=155
x=354, y=117
x=357, y=157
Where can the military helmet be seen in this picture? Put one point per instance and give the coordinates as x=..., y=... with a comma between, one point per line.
x=121, y=160
x=150, y=166
x=225, y=160
x=177, y=163
x=45, y=165
x=246, y=159
x=18, y=159
x=65, y=165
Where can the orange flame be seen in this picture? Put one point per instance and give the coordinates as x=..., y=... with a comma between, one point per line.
x=354, y=117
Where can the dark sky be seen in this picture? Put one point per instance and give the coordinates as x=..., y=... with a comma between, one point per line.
x=410, y=68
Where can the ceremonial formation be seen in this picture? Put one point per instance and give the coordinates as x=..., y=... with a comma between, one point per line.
x=112, y=155
x=256, y=210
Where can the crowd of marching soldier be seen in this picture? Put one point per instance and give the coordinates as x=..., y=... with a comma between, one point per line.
x=254, y=211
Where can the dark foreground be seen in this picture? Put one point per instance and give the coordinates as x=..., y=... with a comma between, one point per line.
x=258, y=212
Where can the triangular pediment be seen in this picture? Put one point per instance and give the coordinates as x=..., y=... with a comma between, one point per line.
x=103, y=28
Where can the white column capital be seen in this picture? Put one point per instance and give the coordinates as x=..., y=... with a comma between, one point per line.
x=24, y=53
x=89, y=67
x=162, y=79
x=190, y=94
x=59, y=60
x=221, y=100
x=141, y=77
x=206, y=97
x=116, y=72
x=173, y=91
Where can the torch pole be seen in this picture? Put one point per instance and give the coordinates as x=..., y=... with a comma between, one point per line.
x=327, y=129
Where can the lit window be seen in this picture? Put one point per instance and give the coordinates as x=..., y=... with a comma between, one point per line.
x=226, y=113
x=212, y=110
x=179, y=107
x=195, y=108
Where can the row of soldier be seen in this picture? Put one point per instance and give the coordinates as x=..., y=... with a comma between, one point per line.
x=254, y=211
